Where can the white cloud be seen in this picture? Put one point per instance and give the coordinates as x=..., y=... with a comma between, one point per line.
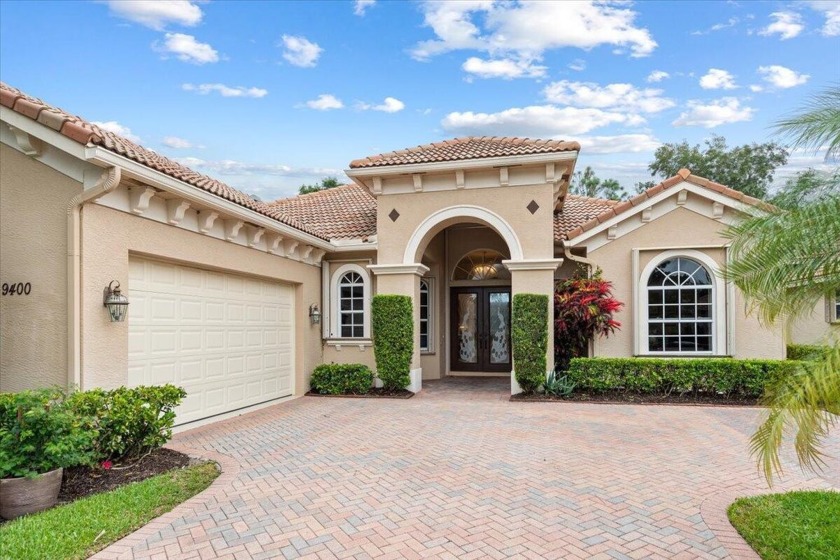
x=118, y=129
x=389, y=105
x=731, y=22
x=233, y=167
x=782, y=77
x=523, y=31
x=325, y=102
x=536, y=120
x=361, y=6
x=502, y=68
x=226, y=91
x=186, y=48
x=624, y=97
x=756, y=88
x=621, y=144
x=716, y=78
x=300, y=51
x=787, y=25
x=831, y=10
x=714, y=113
x=657, y=76
x=157, y=13
x=179, y=143
x=578, y=65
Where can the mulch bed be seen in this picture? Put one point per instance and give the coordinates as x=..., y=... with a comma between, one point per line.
x=630, y=398
x=79, y=482
x=372, y=394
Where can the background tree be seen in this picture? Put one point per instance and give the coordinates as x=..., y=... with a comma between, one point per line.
x=586, y=183
x=326, y=183
x=807, y=187
x=748, y=168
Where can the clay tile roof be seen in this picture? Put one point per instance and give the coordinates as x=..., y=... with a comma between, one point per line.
x=469, y=147
x=87, y=133
x=683, y=175
x=578, y=210
x=347, y=212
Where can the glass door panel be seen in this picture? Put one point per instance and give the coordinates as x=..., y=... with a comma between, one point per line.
x=467, y=328
x=499, y=323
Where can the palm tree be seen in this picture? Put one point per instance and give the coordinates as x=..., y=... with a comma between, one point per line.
x=786, y=262
x=817, y=126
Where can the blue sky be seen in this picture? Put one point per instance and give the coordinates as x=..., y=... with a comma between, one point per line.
x=269, y=95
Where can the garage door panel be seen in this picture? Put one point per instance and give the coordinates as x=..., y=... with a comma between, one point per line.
x=226, y=339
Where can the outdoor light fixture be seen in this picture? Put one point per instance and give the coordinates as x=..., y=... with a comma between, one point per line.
x=314, y=314
x=116, y=303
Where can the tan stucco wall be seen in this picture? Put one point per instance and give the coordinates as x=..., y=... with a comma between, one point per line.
x=33, y=248
x=533, y=230
x=349, y=353
x=815, y=328
x=434, y=362
x=680, y=228
x=109, y=237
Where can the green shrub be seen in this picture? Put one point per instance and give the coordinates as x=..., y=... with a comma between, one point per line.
x=393, y=339
x=341, y=379
x=807, y=352
x=717, y=376
x=40, y=432
x=131, y=421
x=529, y=336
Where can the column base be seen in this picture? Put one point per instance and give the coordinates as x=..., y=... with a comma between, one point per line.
x=416, y=384
x=515, y=389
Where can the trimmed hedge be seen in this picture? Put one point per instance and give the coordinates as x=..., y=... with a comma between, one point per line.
x=341, y=379
x=529, y=336
x=131, y=420
x=393, y=339
x=720, y=376
x=806, y=351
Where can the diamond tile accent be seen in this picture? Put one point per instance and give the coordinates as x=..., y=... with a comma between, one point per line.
x=533, y=206
x=394, y=215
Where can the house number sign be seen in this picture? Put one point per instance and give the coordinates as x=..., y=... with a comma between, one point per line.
x=16, y=289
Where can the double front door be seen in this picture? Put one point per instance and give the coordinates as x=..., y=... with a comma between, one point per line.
x=480, y=329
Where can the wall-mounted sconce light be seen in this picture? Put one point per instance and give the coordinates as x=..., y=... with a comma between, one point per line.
x=116, y=303
x=314, y=314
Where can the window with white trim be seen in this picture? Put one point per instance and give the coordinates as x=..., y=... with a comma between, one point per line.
x=835, y=318
x=680, y=307
x=350, y=303
x=426, y=315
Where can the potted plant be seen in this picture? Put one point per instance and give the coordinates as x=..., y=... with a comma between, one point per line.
x=39, y=436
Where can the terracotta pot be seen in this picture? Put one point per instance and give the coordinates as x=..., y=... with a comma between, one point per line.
x=20, y=496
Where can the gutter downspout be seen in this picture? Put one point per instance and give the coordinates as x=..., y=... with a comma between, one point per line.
x=588, y=262
x=109, y=179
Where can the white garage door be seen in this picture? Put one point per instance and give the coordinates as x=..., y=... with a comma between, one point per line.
x=228, y=340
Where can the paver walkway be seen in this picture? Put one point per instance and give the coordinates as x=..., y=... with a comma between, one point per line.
x=460, y=472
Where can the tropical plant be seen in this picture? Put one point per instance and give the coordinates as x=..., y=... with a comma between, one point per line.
x=785, y=263
x=748, y=168
x=558, y=385
x=583, y=308
x=529, y=336
x=393, y=339
x=817, y=125
x=805, y=187
x=586, y=183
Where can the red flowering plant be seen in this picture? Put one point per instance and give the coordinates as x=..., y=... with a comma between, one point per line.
x=583, y=308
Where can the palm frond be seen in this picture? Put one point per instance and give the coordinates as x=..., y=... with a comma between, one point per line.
x=808, y=402
x=817, y=126
x=784, y=262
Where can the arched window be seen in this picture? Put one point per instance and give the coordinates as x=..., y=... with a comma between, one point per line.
x=681, y=307
x=350, y=306
x=483, y=264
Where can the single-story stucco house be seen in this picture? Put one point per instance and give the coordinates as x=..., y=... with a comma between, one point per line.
x=237, y=300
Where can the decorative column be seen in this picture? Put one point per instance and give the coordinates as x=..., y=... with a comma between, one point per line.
x=534, y=276
x=404, y=280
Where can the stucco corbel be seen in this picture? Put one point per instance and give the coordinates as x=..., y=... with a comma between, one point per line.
x=305, y=251
x=255, y=234
x=206, y=220
x=28, y=144
x=140, y=198
x=275, y=245
x=232, y=228
x=417, y=178
x=289, y=246
x=175, y=210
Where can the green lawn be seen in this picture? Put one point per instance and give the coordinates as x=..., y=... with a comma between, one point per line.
x=790, y=526
x=80, y=528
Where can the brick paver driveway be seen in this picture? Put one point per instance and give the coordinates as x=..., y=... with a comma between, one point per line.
x=460, y=472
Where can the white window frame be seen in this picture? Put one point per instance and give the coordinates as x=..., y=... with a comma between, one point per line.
x=335, y=308
x=834, y=308
x=719, y=323
x=430, y=319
